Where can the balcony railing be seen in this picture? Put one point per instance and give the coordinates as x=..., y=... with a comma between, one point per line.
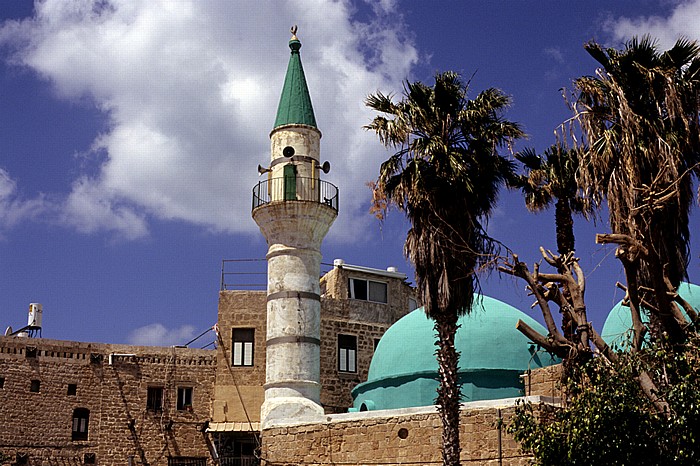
x=242, y=461
x=295, y=189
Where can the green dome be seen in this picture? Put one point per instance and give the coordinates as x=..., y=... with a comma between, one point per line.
x=493, y=355
x=617, y=330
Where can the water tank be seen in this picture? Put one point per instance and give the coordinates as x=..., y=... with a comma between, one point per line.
x=35, y=313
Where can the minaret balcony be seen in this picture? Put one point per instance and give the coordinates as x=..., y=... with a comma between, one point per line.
x=287, y=189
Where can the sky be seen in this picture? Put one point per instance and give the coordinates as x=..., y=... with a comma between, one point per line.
x=131, y=132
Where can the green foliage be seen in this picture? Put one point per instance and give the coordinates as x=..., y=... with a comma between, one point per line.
x=608, y=420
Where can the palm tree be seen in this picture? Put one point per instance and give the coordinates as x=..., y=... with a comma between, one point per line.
x=640, y=118
x=445, y=176
x=552, y=179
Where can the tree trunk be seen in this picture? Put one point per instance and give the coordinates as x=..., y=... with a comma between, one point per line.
x=564, y=223
x=449, y=393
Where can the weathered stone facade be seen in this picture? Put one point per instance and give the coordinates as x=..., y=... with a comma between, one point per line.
x=365, y=320
x=406, y=436
x=37, y=426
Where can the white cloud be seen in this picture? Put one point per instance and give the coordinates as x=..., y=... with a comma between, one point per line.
x=682, y=22
x=14, y=209
x=191, y=91
x=159, y=335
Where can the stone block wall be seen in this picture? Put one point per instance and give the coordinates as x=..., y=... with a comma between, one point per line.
x=248, y=309
x=544, y=381
x=240, y=309
x=409, y=436
x=335, y=385
x=39, y=424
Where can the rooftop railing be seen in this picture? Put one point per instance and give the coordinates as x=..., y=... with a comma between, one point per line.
x=295, y=189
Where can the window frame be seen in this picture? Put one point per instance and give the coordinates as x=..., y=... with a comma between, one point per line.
x=184, y=398
x=154, y=402
x=352, y=292
x=347, y=353
x=246, y=350
x=80, y=424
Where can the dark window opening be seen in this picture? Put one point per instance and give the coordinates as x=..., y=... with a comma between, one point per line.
x=89, y=458
x=81, y=418
x=35, y=386
x=347, y=353
x=184, y=398
x=376, y=343
x=72, y=389
x=290, y=182
x=243, y=342
x=2, y=382
x=21, y=459
x=236, y=448
x=367, y=290
x=154, y=399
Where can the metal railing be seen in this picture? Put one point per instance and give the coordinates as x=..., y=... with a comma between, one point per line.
x=243, y=461
x=295, y=189
x=250, y=274
x=243, y=274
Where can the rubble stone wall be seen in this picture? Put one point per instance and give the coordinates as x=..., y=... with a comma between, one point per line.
x=410, y=436
x=38, y=425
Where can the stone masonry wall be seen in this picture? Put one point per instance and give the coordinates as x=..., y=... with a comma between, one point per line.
x=544, y=381
x=247, y=309
x=410, y=436
x=240, y=309
x=38, y=424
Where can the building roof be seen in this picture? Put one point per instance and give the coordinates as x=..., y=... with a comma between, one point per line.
x=617, y=330
x=295, y=103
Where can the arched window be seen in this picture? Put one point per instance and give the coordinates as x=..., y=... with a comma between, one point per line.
x=81, y=417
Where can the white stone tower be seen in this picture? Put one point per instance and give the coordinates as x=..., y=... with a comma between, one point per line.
x=294, y=210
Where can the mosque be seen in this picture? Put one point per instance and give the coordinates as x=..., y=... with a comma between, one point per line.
x=336, y=370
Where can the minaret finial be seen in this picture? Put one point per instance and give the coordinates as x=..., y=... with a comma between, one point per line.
x=294, y=32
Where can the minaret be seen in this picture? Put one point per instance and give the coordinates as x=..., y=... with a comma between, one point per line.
x=294, y=210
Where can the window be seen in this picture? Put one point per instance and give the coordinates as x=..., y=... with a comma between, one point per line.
x=89, y=458
x=72, y=389
x=154, y=399
x=367, y=290
x=35, y=386
x=347, y=353
x=290, y=182
x=2, y=382
x=376, y=343
x=243, y=341
x=184, y=398
x=81, y=417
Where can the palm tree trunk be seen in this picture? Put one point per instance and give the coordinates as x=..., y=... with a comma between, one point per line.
x=564, y=222
x=449, y=393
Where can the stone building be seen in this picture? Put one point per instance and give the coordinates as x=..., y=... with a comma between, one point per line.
x=70, y=403
x=279, y=385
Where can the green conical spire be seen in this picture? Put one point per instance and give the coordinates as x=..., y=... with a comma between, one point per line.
x=295, y=103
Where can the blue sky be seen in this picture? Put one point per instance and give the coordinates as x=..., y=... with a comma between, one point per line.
x=130, y=133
